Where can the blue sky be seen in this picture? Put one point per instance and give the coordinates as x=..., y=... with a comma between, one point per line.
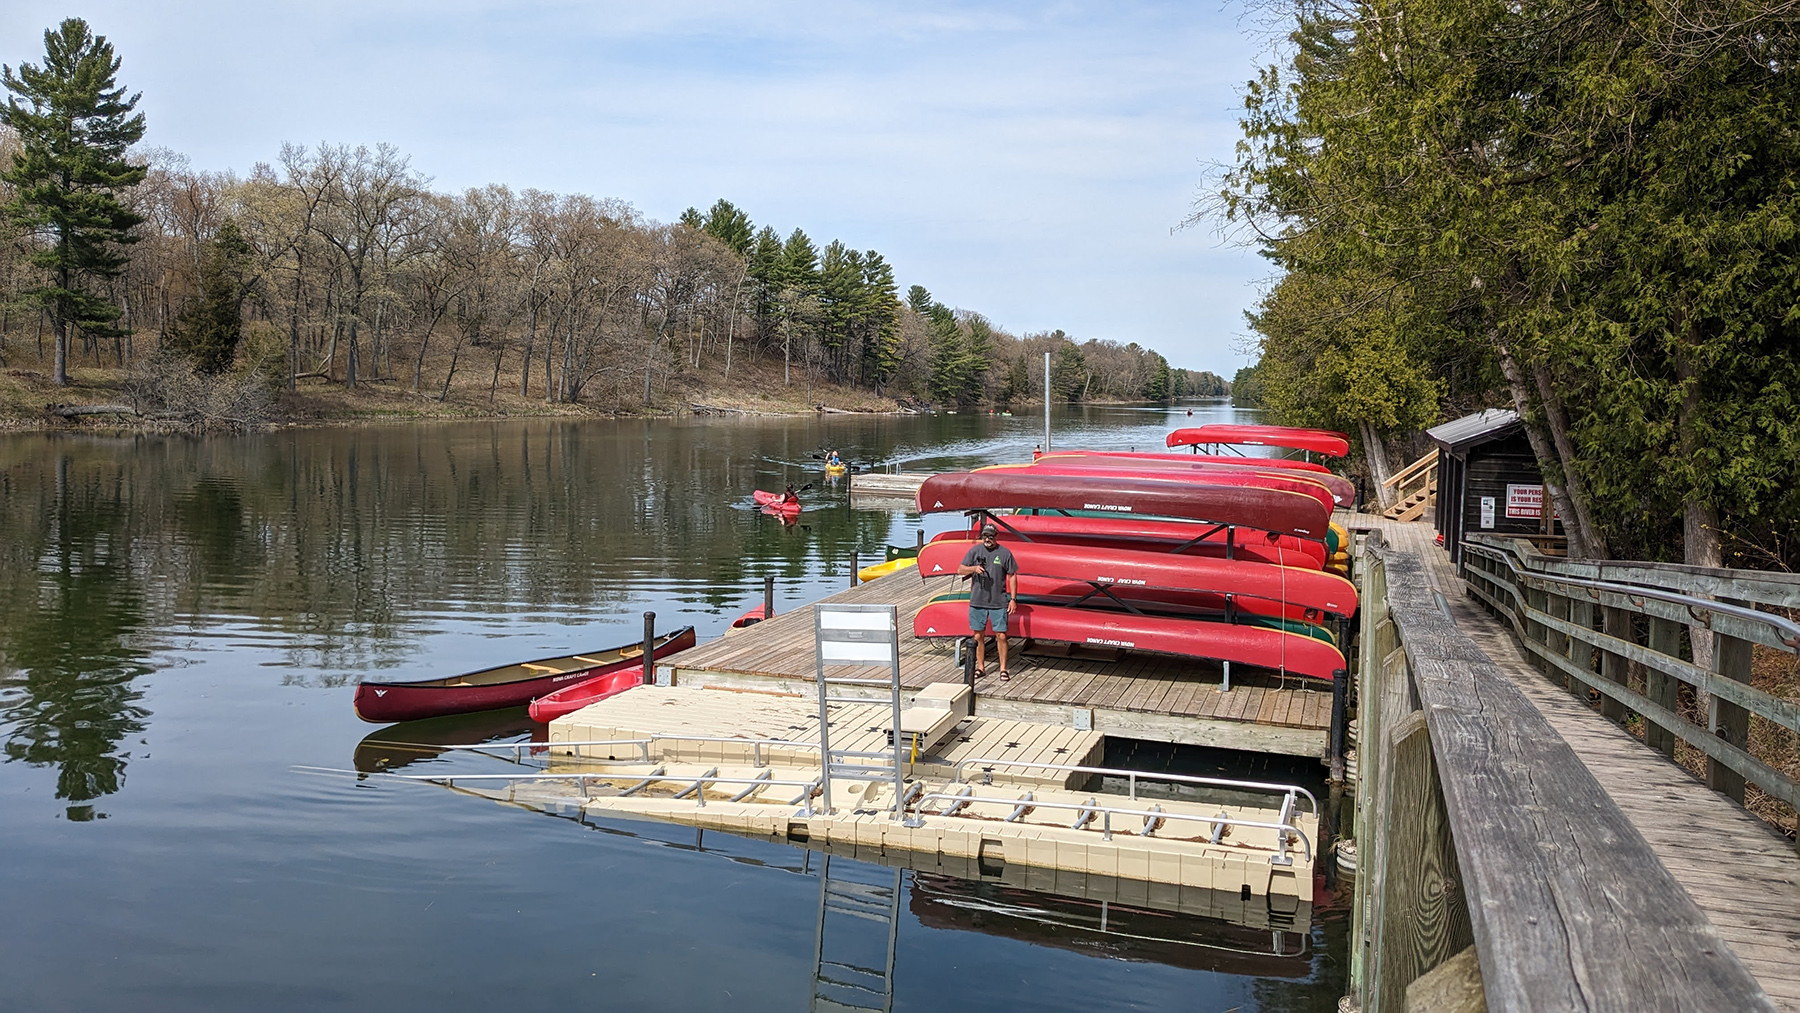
x=1028, y=161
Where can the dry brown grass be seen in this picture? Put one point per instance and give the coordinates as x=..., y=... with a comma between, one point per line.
x=755, y=387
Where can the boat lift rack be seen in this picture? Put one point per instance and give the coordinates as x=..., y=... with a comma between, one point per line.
x=863, y=636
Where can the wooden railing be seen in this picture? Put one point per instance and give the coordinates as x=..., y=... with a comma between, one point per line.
x=1412, y=488
x=1587, y=622
x=1478, y=824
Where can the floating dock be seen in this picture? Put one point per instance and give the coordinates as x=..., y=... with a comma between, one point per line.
x=1139, y=696
x=996, y=793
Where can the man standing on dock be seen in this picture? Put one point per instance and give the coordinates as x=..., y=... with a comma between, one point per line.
x=993, y=586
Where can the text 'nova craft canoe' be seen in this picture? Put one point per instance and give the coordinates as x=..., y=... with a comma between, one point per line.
x=505, y=686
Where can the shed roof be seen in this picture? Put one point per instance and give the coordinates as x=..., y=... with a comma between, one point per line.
x=1473, y=430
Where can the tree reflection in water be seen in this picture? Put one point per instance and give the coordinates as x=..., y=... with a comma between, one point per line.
x=67, y=654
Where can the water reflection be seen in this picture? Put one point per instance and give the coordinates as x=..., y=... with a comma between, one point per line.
x=69, y=635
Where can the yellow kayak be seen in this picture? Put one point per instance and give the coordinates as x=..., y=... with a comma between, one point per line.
x=834, y=469
x=874, y=570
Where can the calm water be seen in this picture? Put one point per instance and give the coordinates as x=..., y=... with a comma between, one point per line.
x=180, y=624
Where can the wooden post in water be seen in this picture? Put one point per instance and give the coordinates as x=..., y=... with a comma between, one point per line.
x=852, y=569
x=649, y=648
x=769, y=597
x=1340, y=691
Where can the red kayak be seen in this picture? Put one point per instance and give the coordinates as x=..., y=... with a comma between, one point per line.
x=1343, y=491
x=1274, y=510
x=506, y=686
x=1248, y=645
x=1205, y=474
x=1319, y=441
x=750, y=618
x=1182, y=538
x=776, y=501
x=1061, y=571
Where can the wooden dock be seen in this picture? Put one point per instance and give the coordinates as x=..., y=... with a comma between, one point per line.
x=1130, y=695
x=1598, y=873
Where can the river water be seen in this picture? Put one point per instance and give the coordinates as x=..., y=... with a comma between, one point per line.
x=181, y=622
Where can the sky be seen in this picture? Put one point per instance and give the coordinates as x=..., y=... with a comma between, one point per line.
x=1028, y=161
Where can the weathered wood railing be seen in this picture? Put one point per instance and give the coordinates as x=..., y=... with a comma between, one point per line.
x=1586, y=622
x=1478, y=824
x=1412, y=486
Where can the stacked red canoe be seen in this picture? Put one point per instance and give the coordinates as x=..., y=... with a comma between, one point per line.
x=1225, y=558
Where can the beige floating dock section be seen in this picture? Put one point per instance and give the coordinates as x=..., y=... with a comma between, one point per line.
x=1140, y=696
x=888, y=484
x=1001, y=815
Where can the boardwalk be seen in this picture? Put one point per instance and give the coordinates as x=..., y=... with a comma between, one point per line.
x=1123, y=694
x=1744, y=876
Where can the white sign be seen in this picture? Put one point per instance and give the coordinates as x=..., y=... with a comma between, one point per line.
x=1487, y=511
x=1525, y=501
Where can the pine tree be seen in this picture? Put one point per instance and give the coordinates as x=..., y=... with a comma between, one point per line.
x=73, y=130
x=209, y=329
x=730, y=226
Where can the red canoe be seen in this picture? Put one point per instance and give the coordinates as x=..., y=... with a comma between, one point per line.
x=1343, y=491
x=1183, y=538
x=1189, y=638
x=1053, y=570
x=1319, y=441
x=1208, y=474
x=1273, y=510
x=505, y=686
x=775, y=502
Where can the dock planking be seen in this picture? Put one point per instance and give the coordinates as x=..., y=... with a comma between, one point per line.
x=1143, y=695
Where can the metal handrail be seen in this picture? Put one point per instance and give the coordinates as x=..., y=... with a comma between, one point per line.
x=1282, y=829
x=1133, y=775
x=643, y=744
x=450, y=779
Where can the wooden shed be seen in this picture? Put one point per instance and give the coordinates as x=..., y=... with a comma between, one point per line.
x=1488, y=479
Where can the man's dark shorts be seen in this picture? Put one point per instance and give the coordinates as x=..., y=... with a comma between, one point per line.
x=979, y=618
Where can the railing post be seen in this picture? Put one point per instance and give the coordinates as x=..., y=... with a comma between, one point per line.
x=1731, y=660
x=1615, y=622
x=1665, y=638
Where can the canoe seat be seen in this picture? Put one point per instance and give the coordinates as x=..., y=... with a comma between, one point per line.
x=632, y=652
x=592, y=661
x=540, y=668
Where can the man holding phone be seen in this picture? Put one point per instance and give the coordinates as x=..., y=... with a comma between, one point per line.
x=993, y=587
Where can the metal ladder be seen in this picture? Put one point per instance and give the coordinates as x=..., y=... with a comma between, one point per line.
x=849, y=971
x=862, y=635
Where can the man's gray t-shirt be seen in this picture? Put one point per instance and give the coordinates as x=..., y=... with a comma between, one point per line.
x=987, y=589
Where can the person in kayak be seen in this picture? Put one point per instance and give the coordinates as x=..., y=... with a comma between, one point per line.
x=788, y=495
x=832, y=459
x=993, y=587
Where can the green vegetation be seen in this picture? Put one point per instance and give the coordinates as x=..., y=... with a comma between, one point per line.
x=339, y=267
x=65, y=179
x=1584, y=212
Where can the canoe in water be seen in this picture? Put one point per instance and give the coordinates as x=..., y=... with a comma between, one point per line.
x=775, y=502
x=506, y=686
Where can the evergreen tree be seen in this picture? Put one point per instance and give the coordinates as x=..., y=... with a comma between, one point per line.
x=209, y=329
x=730, y=226
x=881, y=321
x=692, y=219
x=74, y=128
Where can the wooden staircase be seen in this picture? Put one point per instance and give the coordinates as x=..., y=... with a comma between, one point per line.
x=1415, y=489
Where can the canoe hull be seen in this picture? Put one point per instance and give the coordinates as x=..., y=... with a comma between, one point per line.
x=1158, y=577
x=1246, y=645
x=1153, y=536
x=382, y=702
x=1342, y=490
x=1273, y=510
x=1319, y=441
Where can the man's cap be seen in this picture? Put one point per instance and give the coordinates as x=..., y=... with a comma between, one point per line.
x=990, y=529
